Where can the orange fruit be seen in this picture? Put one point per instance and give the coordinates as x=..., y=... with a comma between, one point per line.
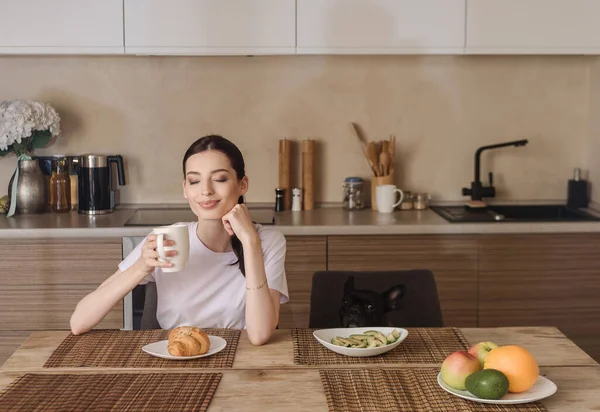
x=519, y=366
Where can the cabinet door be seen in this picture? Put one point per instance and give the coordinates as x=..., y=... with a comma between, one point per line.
x=210, y=26
x=452, y=259
x=61, y=27
x=381, y=26
x=542, y=280
x=305, y=256
x=533, y=26
x=42, y=280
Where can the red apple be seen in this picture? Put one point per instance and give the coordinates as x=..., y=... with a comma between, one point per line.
x=481, y=350
x=457, y=367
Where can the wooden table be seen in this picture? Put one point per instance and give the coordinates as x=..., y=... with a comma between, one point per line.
x=265, y=377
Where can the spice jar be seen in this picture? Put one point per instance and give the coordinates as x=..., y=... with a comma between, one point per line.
x=407, y=201
x=353, y=193
x=421, y=201
x=60, y=185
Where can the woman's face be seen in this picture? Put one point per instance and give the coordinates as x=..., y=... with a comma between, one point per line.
x=211, y=185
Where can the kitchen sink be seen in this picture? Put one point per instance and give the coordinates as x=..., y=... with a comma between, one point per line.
x=514, y=213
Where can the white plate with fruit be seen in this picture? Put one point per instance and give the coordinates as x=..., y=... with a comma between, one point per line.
x=489, y=373
x=361, y=342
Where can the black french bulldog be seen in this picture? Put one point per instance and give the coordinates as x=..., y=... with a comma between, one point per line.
x=363, y=308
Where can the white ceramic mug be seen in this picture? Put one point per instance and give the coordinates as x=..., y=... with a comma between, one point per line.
x=180, y=234
x=386, y=198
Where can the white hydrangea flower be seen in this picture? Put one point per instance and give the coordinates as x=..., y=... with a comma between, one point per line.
x=20, y=118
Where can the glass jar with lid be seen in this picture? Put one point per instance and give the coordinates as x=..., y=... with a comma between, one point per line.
x=353, y=193
x=421, y=201
x=407, y=201
x=60, y=185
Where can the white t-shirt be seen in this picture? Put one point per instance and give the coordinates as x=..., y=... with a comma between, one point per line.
x=210, y=292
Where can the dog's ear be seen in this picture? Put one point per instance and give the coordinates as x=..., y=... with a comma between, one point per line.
x=393, y=296
x=349, y=285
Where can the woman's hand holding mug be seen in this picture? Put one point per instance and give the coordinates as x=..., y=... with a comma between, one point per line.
x=168, y=248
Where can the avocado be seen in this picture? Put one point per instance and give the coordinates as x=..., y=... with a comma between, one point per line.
x=362, y=344
x=336, y=341
x=344, y=342
x=353, y=341
x=487, y=384
x=381, y=338
x=373, y=343
x=370, y=332
x=359, y=337
x=395, y=334
x=390, y=338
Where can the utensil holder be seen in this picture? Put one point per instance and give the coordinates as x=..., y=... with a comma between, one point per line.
x=376, y=181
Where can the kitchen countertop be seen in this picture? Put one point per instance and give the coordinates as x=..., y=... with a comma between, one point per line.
x=324, y=221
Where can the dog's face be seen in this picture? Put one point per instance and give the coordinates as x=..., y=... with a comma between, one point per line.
x=363, y=308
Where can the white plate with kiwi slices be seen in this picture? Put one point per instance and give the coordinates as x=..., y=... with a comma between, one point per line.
x=361, y=342
x=542, y=388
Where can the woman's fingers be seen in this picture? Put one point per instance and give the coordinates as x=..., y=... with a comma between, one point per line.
x=150, y=253
x=228, y=228
x=158, y=264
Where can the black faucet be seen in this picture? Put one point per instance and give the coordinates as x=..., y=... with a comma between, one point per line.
x=477, y=191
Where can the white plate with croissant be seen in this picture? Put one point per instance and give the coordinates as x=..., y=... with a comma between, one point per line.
x=186, y=342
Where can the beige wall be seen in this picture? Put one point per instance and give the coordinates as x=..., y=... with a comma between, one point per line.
x=594, y=152
x=441, y=108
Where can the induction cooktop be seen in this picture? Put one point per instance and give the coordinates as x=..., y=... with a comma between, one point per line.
x=164, y=217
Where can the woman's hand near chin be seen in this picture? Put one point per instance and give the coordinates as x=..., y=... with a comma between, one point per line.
x=239, y=222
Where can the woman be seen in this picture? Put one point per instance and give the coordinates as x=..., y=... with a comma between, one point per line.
x=235, y=277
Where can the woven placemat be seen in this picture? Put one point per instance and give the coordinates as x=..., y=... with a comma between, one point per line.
x=422, y=345
x=376, y=390
x=113, y=392
x=123, y=349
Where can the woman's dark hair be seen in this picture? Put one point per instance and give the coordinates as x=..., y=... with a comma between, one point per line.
x=219, y=143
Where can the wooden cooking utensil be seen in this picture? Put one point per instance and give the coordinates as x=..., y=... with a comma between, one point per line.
x=392, y=153
x=363, y=145
x=373, y=157
x=385, y=146
x=384, y=159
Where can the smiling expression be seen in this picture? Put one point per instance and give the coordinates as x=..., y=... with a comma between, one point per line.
x=211, y=185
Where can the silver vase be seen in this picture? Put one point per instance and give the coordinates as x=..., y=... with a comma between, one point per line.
x=32, y=196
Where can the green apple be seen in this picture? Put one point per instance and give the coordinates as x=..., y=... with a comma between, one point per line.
x=481, y=350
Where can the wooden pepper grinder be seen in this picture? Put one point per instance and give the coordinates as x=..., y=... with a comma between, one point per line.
x=308, y=165
x=285, y=154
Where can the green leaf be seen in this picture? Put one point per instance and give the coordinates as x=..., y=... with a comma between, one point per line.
x=40, y=138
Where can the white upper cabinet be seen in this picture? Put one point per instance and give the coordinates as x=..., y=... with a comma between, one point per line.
x=61, y=27
x=533, y=26
x=381, y=26
x=210, y=26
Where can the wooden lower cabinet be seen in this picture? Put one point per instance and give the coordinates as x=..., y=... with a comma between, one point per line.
x=42, y=280
x=305, y=255
x=542, y=280
x=483, y=280
x=452, y=259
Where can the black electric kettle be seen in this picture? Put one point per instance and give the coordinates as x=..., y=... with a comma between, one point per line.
x=95, y=192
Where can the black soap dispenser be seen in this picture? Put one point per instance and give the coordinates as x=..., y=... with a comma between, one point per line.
x=578, y=191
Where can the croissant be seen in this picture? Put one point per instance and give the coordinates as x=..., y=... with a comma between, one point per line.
x=188, y=341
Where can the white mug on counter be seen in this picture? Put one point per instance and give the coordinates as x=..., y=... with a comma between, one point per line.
x=180, y=234
x=386, y=198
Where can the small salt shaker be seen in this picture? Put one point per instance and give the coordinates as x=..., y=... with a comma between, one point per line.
x=296, y=199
